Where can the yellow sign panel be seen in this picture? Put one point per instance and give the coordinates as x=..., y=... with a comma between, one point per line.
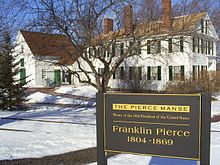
x=151, y=108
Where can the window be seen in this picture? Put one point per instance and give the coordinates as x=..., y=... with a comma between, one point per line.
x=122, y=73
x=181, y=44
x=66, y=76
x=43, y=74
x=154, y=73
x=97, y=51
x=198, y=45
x=119, y=73
x=203, y=70
x=22, y=62
x=121, y=49
x=132, y=49
x=135, y=73
x=202, y=46
x=100, y=71
x=176, y=73
x=195, y=72
x=107, y=52
x=170, y=45
x=202, y=25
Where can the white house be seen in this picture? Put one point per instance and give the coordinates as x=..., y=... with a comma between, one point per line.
x=181, y=47
x=41, y=56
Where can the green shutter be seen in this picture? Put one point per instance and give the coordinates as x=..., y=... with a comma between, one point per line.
x=113, y=76
x=182, y=74
x=148, y=47
x=194, y=44
x=22, y=76
x=69, y=75
x=57, y=77
x=181, y=44
x=22, y=62
x=121, y=49
x=170, y=73
x=148, y=73
x=170, y=44
x=122, y=73
x=194, y=73
x=159, y=73
x=140, y=73
x=159, y=47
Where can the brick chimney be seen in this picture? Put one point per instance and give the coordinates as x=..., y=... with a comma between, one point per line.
x=108, y=25
x=128, y=19
x=167, y=12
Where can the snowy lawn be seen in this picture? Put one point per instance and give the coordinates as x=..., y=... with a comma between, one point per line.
x=86, y=91
x=47, y=138
x=43, y=98
x=75, y=131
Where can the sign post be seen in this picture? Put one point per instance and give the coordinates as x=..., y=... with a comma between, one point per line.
x=163, y=125
x=101, y=156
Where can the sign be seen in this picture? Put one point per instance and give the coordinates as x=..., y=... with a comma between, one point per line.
x=153, y=124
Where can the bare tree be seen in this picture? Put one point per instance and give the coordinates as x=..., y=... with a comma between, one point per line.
x=82, y=22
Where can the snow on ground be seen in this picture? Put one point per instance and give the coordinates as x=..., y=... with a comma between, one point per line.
x=39, y=97
x=75, y=131
x=125, y=159
x=86, y=91
x=215, y=108
x=47, y=138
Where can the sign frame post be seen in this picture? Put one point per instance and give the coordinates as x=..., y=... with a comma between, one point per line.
x=203, y=121
x=205, y=132
x=101, y=156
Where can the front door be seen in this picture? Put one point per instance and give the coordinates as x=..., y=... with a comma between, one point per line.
x=57, y=77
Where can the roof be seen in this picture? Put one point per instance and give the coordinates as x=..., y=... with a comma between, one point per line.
x=180, y=24
x=43, y=44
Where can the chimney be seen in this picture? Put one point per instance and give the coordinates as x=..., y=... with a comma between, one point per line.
x=108, y=25
x=167, y=19
x=128, y=19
